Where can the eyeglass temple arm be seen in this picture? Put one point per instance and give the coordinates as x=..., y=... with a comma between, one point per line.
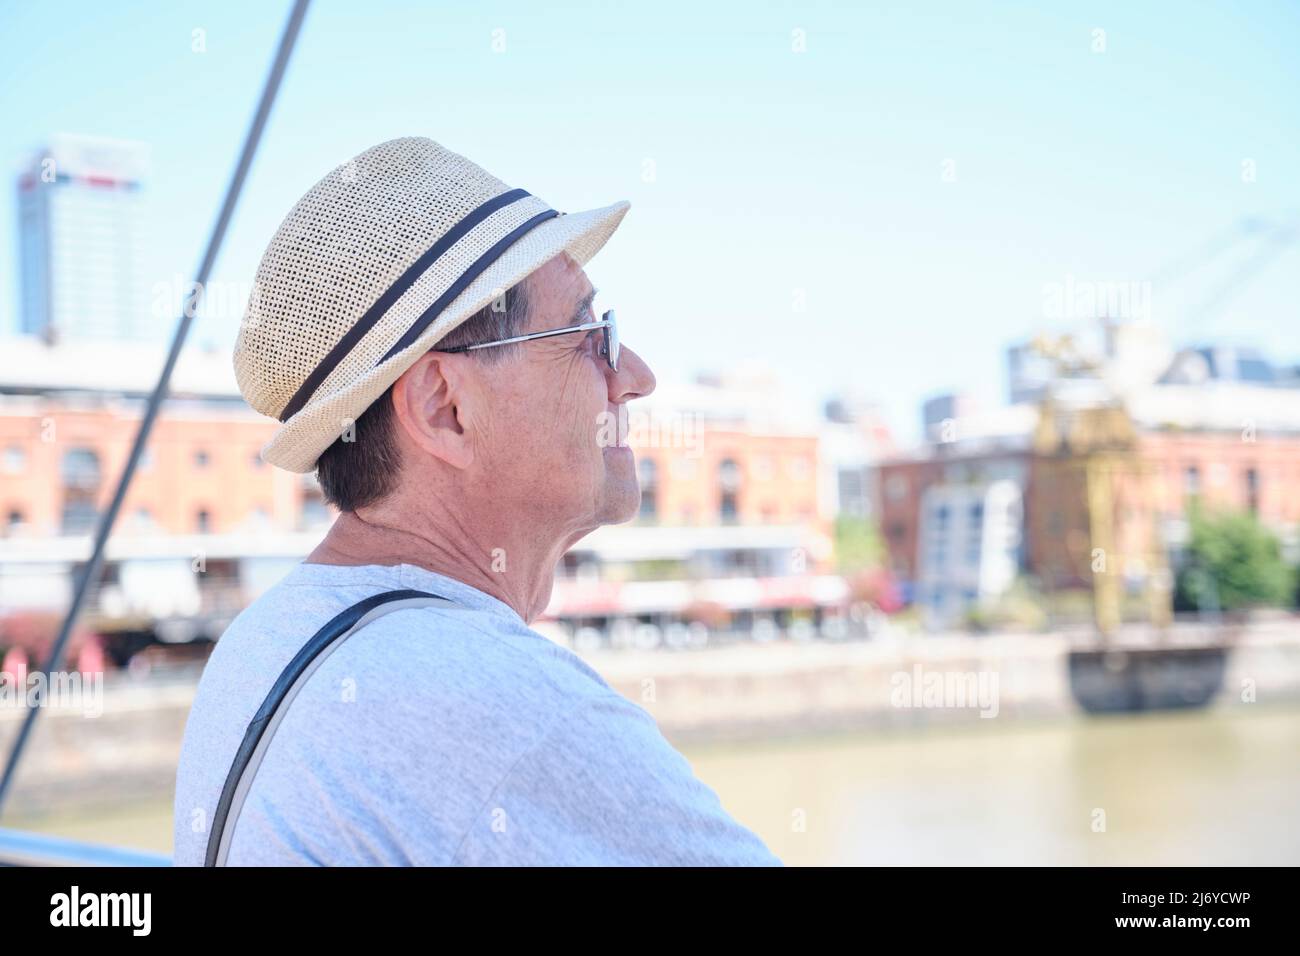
x=587, y=327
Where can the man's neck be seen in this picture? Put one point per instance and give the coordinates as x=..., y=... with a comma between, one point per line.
x=517, y=573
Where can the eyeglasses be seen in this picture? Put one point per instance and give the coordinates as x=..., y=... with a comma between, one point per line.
x=609, y=349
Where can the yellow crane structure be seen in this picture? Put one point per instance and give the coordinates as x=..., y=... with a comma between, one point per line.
x=1090, y=476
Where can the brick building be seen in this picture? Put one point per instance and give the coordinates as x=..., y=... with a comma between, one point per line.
x=1231, y=445
x=738, y=502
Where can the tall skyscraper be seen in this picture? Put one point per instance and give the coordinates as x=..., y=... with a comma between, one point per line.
x=81, y=243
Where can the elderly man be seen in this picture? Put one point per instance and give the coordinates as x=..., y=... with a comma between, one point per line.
x=425, y=335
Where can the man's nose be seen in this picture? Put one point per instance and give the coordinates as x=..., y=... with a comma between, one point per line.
x=633, y=378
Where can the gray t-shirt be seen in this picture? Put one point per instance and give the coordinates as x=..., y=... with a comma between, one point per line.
x=437, y=736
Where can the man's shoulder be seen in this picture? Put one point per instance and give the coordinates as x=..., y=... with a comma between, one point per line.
x=462, y=655
x=437, y=702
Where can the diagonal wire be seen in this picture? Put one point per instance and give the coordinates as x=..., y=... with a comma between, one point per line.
x=92, y=568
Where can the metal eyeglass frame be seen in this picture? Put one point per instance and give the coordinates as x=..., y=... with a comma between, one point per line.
x=607, y=323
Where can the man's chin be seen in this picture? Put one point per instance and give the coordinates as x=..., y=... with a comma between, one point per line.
x=622, y=503
x=619, y=507
x=622, y=498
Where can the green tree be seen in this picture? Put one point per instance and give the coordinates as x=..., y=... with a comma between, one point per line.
x=1232, y=562
x=858, y=545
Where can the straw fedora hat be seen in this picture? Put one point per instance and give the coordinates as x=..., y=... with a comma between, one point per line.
x=372, y=267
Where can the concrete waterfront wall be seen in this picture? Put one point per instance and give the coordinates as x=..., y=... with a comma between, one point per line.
x=784, y=689
x=128, y=751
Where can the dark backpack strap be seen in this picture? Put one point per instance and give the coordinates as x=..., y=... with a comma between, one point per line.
x=262, y=727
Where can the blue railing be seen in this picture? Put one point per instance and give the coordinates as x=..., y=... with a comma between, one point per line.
x=24, y=848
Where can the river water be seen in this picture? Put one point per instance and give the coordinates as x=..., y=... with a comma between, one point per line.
x=1216, y=787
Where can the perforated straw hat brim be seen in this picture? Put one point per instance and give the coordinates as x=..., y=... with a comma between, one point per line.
x=373, y=266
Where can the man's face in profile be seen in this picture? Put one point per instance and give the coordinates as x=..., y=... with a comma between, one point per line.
x=555, y=436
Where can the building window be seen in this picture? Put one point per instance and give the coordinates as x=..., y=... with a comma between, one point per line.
x=255, y=459
x=79, y=470
x=941, y=519
x=938, y=558
x=975, y=534
x=852, y=491
x=1252, y=490
x=79, y=513
x=647, y=474
x=203, y=521
x=13, y=520
x=1191, y=481
x=729, y=490
x=201, y=458
x=15, y=460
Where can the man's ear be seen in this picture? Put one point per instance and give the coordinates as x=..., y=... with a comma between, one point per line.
x=432, y=400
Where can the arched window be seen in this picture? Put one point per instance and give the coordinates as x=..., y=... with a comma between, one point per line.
x=80, y=475
x=14, y=460
x=80, y=468
x=728, y=490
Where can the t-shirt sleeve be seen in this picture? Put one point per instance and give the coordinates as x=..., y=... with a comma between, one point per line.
x=604, y=788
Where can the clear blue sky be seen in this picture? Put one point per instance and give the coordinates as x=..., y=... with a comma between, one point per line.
x=776, y=171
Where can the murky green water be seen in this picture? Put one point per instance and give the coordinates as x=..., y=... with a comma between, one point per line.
x=1211, y=787
x=1217, y=787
